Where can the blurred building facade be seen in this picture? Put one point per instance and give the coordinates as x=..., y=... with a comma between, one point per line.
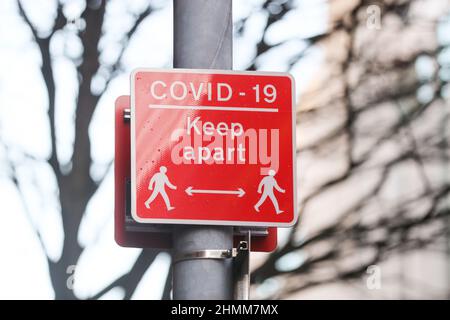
x=373, y=135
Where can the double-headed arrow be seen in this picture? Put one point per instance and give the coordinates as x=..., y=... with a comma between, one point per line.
x=190, y=191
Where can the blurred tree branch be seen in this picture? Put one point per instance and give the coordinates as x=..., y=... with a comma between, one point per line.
x=76, y=187
x=129, y=281
x=368, y=79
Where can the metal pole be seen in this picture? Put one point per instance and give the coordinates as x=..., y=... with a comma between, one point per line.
x=202, y=39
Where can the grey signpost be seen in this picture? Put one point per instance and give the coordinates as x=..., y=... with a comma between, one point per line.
x=202, y=40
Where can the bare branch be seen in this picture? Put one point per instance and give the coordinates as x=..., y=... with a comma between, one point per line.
x=47, y=74
x=130, y=280
x=116, y=67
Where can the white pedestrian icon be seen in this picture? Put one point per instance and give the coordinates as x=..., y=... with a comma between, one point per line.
x=157, y=184
x=267, y=184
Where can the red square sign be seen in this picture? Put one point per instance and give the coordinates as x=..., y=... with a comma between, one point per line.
x=213, y=147
x=124, y=232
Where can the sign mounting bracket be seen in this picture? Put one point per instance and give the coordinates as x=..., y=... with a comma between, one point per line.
x=241, y=269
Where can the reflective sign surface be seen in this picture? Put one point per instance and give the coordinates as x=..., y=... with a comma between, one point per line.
x=212, y=148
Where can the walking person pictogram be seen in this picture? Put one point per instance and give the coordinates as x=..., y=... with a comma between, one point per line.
x=266, y=186
x=157, y=184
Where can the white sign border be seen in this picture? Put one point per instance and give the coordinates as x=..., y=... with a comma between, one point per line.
x=210, y=222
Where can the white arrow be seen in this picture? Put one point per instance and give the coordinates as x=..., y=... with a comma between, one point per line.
x=240, y=192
